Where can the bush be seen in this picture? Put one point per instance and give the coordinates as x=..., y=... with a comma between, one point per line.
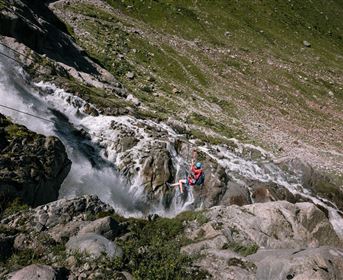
x=153, y=252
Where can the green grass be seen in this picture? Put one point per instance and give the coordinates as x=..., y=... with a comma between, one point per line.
x=2, y=4
x=153, y=249
x=218, y=127
x=244, y=250
x=16, y=131
x=216, y=53
x=14, y=207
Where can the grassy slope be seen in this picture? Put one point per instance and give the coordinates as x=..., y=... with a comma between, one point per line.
x=235, y=63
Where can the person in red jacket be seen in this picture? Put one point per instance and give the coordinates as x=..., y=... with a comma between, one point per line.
x=195, y=178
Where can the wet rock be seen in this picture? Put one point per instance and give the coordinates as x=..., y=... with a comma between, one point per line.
x=156, y=169
x=90, y=110
x=236, y=194
x=39, y=272
x=33, y=166
x=321, y=184
x=94, y=245
x=264, y=192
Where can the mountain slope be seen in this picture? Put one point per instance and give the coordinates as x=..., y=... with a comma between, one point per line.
x=227, y=68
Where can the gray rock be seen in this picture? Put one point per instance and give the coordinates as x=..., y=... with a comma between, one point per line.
x=35, y=165
x=322, y=184
x=306, y=44
x=106, y=227
x=133, y=99
x=62, y=232
x=67, y=215
x=277, y=226
x=37, y=272
x=236, y=194
x=223, y=264
x=130, y=75
x=314, y=263
x=94, y=245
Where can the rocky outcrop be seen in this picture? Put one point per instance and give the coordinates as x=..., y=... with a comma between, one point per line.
x=313, y=263
x=33, y=24
x=63, y=227
x=327, y=185
x=272, y=240
x=232, y=233
x=32, y=166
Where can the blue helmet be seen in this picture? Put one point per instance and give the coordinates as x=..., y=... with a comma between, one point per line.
x=198, y=165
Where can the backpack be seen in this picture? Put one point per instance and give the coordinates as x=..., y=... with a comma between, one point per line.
x=201, y=180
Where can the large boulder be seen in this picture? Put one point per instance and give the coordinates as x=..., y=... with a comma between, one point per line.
x=106, y=227
x=32, y=166
x=232, y=233
x=95, y=245
x=39, y=272
x=64, y=211
x=314, y=263
x=236, y=194
x=277, y=224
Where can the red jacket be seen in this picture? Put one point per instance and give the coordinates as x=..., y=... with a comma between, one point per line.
x=196, y=173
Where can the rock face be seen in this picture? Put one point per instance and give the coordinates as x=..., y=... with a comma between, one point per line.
x=314, y=263
x=233, y=232
x=51, y=216
x=32, y=166
x=33, y=24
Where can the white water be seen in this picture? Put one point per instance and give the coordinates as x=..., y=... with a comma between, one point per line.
x=92, y=171
x=267, y=171
x=106, y=132
x=90, y=174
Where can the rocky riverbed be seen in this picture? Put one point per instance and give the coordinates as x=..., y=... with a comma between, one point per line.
x=82, y=238
x=83, y=172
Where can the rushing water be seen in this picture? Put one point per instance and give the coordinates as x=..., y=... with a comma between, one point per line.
x=90, y=173
x=94, y=173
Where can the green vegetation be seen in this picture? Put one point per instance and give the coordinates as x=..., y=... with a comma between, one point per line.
x=14, y=130
x=23, y=258
x=14, y=207
x=227, y=60
x=220, y=128
x=2, y=5
x=153, y=251
x=244, y=250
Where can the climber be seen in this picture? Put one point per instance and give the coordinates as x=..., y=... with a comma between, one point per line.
x=196, y=178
